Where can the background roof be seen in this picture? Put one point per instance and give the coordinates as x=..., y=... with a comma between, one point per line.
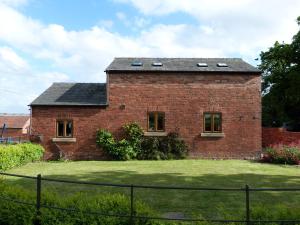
x=13, y=120
x=73, y=94
x=182, y=65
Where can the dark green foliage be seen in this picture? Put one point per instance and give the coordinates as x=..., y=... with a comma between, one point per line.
x=169, y=147
x=134, y=134
x=151, y=149
x=281, y=82
x=118, y=150
x=135, y=145
x=15, y=214
x=19, y=154
x=282, y=154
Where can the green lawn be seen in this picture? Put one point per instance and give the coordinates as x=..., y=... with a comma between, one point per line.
x=189, y=173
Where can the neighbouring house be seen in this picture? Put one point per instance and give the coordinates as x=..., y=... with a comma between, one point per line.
x=16, y=125
x=213, y=103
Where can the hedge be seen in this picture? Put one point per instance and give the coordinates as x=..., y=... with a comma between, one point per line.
x=18, y=154
x=13, y=213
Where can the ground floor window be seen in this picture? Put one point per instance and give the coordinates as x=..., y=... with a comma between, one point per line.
x=156, y=121
x=64, y=128
x=212, y=122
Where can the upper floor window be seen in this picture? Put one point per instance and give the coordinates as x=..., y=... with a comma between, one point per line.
x=64, y=128
x=212, y=122
x=156, y=121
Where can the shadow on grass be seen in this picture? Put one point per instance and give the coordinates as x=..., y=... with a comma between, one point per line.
x=210, y=204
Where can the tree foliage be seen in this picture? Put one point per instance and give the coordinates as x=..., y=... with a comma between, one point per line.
x=281, y=83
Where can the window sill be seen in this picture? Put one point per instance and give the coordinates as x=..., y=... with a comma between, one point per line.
x=212, y=135
x=63, y=139
x=155, y=134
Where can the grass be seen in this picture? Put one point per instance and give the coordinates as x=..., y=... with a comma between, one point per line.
x=189, y=173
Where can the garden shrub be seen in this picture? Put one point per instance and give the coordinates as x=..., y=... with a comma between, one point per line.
x=18, y=154
x=151, y=149
x=282, y=154
x=173, y=147
x=169, y=147
x=118, y=150
x=13, y=214
x=135, y=145
x=134, y=134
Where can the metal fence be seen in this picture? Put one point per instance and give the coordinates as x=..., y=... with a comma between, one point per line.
x=12, y=140
x=132, y=216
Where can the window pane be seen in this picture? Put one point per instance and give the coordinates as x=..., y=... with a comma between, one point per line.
x=69, y=129
x=217, y=122
x=207, y=121
x=160, y=121
x=151, y=122
x=60, y=129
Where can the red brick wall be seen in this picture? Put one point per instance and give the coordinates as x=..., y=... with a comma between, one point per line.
x=273, y=136
x=183, y=98
x=13, y=132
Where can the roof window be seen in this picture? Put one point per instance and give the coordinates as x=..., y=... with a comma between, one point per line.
x=136, y=63
x=202, y=64
x=157, y=64
x=222, y=65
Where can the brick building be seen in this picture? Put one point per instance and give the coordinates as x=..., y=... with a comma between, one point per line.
x=213, y=103
x=16, y=125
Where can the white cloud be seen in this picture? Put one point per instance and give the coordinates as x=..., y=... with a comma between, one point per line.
x=141, y=22
x=14, y=2
x=106, y=23
x=10, y=61
x=246, y=22
x=19, y=83
x=229, y=28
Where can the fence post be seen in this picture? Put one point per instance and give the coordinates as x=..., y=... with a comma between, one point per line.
x=131, y=204
x=247, y=205
x=38, y=199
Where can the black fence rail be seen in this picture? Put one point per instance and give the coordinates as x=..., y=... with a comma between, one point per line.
x=132, y=216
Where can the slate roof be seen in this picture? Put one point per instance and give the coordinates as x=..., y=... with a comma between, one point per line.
x=73, y=94
x=182, y=65
x=15, y=121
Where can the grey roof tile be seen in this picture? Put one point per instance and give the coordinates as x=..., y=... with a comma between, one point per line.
x=182, y=65
x=73, y=94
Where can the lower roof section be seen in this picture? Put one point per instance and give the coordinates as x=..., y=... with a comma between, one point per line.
x=73, y=94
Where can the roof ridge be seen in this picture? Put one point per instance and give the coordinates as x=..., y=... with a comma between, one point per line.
x=14, y=114
x=179, y=58
x=77, y=83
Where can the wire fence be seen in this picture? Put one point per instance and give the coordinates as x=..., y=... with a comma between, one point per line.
x=13, y=140
x=245, y=191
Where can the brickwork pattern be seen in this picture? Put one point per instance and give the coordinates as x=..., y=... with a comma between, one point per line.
x=183, y=97
x=273, y=136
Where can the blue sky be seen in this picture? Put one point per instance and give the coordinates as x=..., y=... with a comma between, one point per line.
x=48, y=41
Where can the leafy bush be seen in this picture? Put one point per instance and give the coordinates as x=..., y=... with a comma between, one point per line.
x=135, y=145
x=151, y=149
x=134, y=134
x=12, y=213
x=173, y=146
x=282, y=154
x=169, y=147
x=121, y=150
x=19, y=154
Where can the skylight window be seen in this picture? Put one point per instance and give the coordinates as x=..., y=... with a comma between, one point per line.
x=202, y=64
x=157, y=64
x=222, y=65
x=136, y=63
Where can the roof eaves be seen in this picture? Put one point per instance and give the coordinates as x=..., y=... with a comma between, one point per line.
x=184, y=71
